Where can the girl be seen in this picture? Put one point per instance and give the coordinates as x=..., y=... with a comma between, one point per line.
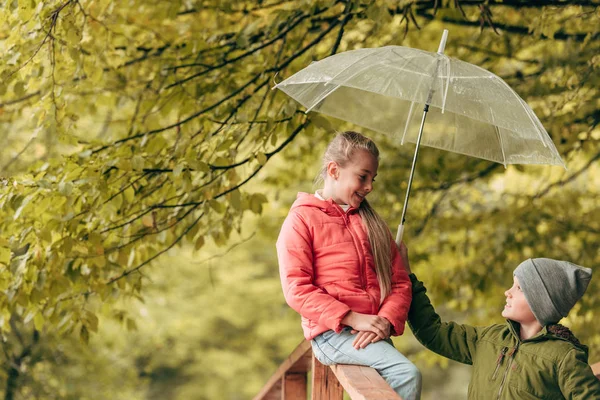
x=341, y=271
x=529, y=357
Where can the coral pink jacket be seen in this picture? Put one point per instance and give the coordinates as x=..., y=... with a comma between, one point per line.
x=327, y=268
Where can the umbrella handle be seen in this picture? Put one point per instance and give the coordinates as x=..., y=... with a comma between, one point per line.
x=399, y=234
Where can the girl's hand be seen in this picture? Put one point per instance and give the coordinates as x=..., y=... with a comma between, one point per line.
x=404, y=256
x=363, y=339
x=366, y=322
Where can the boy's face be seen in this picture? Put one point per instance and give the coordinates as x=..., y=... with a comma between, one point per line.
x=517, y=308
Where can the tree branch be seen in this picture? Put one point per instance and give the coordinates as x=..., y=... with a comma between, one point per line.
x=569, y=179
x=520, y=30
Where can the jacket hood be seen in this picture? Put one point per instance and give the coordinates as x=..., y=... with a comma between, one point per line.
x=562, y=332
x=551, y=332
x=328, y=206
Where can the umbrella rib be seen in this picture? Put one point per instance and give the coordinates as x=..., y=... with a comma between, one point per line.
x=412, y=103
x=320, y=98
x=410, y=111
x=499, y=137
x=552, y=148
x=447, y=83
x=525, y=107
x=537, y=129
x=501, y=144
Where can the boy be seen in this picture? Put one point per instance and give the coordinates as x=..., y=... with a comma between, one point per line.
x=529, y=357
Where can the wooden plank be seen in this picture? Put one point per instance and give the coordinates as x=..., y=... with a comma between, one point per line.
x=275, y=392
x=298, y=361
x=294, y=386
x=363, y=383
x=325, y=385
x=596, y=369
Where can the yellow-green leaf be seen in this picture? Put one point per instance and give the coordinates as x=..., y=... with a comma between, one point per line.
x=262, y=158
x=129, y=194
x=4, y=255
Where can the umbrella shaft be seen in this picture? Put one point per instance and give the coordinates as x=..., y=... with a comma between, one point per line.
x=414, y=163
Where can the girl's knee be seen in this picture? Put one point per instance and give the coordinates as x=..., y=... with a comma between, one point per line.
x=412, y=372
x=415, y=373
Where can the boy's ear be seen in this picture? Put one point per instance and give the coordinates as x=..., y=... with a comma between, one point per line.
x=333, y=169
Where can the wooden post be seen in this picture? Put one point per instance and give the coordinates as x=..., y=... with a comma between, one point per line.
x=298, y=362
x=294, y=386
x=325, y=385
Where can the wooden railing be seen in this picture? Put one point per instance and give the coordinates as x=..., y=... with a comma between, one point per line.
x=290, y=380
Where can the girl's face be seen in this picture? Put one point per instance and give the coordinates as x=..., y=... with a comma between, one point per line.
x=352, y=183
x=517, y=308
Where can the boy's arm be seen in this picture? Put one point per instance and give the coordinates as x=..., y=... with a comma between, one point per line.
x=576, y=379
x=449, y=339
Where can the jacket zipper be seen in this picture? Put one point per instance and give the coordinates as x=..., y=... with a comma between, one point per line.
x=499, y=362
x=511, y=357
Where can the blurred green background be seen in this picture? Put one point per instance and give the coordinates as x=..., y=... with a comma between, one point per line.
x=147, y=167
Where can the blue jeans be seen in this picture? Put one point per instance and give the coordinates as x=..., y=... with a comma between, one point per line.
x=333, y=348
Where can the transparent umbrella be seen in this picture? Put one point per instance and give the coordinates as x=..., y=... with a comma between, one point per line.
x=469, y=110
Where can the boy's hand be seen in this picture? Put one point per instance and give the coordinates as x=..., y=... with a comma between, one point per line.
x=404, y=256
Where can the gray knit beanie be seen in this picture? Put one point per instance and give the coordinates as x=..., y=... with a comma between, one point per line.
x=551, y=287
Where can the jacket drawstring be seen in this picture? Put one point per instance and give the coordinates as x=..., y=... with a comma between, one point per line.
x=511, y=357
x=499, y=361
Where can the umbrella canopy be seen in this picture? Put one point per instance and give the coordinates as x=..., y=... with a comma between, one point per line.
x=473, y=111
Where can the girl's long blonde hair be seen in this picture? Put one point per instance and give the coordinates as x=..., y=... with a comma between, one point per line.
x=341, y=150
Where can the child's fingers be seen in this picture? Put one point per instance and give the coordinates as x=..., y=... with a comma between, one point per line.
x=377, y=326
x=364, y=339
x=368, y=339
x=357, y=339
x=360, y=339
x=379, y=330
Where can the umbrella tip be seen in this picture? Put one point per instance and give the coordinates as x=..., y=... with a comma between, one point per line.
x=274, y=81
x=443, y=42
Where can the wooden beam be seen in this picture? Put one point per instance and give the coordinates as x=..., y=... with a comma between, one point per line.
x=363, y=383
x=294, y=386
x=325, y=385
x=298, y=361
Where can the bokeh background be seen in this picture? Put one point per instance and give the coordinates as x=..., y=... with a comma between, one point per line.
x=146, y=168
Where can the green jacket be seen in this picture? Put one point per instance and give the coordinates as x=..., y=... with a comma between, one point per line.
x=546, y=366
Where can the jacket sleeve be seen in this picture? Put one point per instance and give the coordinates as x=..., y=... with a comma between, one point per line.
x=576, y=379
x=396, y=304
x=449, y=339
x=295, y=254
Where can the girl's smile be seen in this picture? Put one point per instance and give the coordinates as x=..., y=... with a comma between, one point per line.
x=352, y=182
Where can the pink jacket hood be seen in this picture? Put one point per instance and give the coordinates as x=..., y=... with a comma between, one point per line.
x=327, y=206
